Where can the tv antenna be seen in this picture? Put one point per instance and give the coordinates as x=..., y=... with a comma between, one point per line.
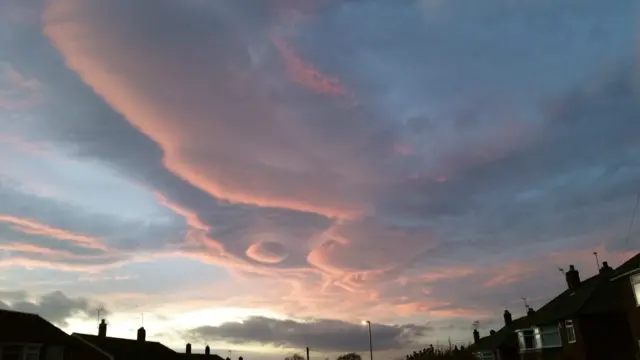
x=526, y=305
x=100, y=311
x=595, y=253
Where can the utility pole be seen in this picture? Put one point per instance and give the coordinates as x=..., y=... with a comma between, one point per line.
x=307, y=353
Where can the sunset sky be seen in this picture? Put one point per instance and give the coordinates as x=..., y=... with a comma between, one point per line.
x=263, y=175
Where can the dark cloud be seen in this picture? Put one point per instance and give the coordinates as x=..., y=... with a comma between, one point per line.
x=55, y=306
x=318, y=334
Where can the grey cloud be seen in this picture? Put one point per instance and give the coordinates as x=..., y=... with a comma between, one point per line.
x=120, y=237
x=318, y=334
x=54, y=306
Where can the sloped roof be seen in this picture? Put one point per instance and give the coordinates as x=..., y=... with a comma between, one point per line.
x=27, y=327
x=569, y=302
x=502, y=336
x=130, y=349
x=184, y=356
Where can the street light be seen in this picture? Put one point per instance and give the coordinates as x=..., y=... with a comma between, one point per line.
x=367, y=322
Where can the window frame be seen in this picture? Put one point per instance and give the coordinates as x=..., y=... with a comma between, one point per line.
x=522, y=340
x=484, y=355
x=635, y=280
x=542, y=330
x=570, y=330
x=25, y=349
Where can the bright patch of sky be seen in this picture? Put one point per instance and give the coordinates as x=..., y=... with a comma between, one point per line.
x=85, y=184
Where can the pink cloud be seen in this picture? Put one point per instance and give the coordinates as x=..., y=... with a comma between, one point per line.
x=236, y=145
x=32, y=227
x=304, y=73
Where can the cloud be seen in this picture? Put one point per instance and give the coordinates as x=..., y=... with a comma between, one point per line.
x=468, y=153
x=318, y=334
x=16, y=91
x=54, y=306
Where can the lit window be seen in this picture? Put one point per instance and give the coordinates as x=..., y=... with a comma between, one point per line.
x=571, y=331
x=635, y=282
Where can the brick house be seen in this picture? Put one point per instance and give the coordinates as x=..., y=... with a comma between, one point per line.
x=584, y=322
x=626, y=282
x=596, y=318
x=25, y=336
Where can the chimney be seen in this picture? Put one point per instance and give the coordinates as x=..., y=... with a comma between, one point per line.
x=492, y=332
x=476, y=335
x=605, y=268
x=142, y=334
x=188, y=348
x=573, y=278
x=507, y=318
x=530, y=312
x=102, y=329
x=240, y=358
x=207, y=351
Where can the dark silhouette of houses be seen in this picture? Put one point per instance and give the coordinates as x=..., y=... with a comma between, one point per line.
x=501, y=344
x=125, y=349
x=139, y=349
x=596, y=318
x=25, y=336
x=206, y=356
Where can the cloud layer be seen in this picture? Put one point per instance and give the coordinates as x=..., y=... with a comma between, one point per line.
x=55, y=306
x=419, y=160
x=318, y=334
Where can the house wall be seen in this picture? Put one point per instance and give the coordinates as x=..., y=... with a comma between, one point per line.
x=632, y=310
x=607, y=336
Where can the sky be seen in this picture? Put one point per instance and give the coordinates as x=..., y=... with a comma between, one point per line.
x=262, y=176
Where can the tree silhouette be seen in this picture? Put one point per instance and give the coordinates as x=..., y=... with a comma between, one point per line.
x=294, y=357
x=349, y=356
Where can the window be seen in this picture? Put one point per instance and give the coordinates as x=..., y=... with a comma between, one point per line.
x=635, y=282
x=549, y=336
x=538, y=338
x=484, y=355
x=526, y=340
x=571, y=331
x=19, y=352
x=31, y=353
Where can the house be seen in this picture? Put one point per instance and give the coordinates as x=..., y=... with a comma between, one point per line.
x=585, y=322
x=626, y=282
x=139, y=349
x=206, y=356
x=26, y=336
x=501, y=344
x=125, y=349
x=596, y=318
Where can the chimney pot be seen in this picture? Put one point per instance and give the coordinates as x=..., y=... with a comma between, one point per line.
x=188, y=348
x=102, y=329
x=476, y=335
x=605, y=267
x=508, y=319
x=207, y=350
x=491, y=332
x=530, y=312
x=142, y=334
x=573, y=278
